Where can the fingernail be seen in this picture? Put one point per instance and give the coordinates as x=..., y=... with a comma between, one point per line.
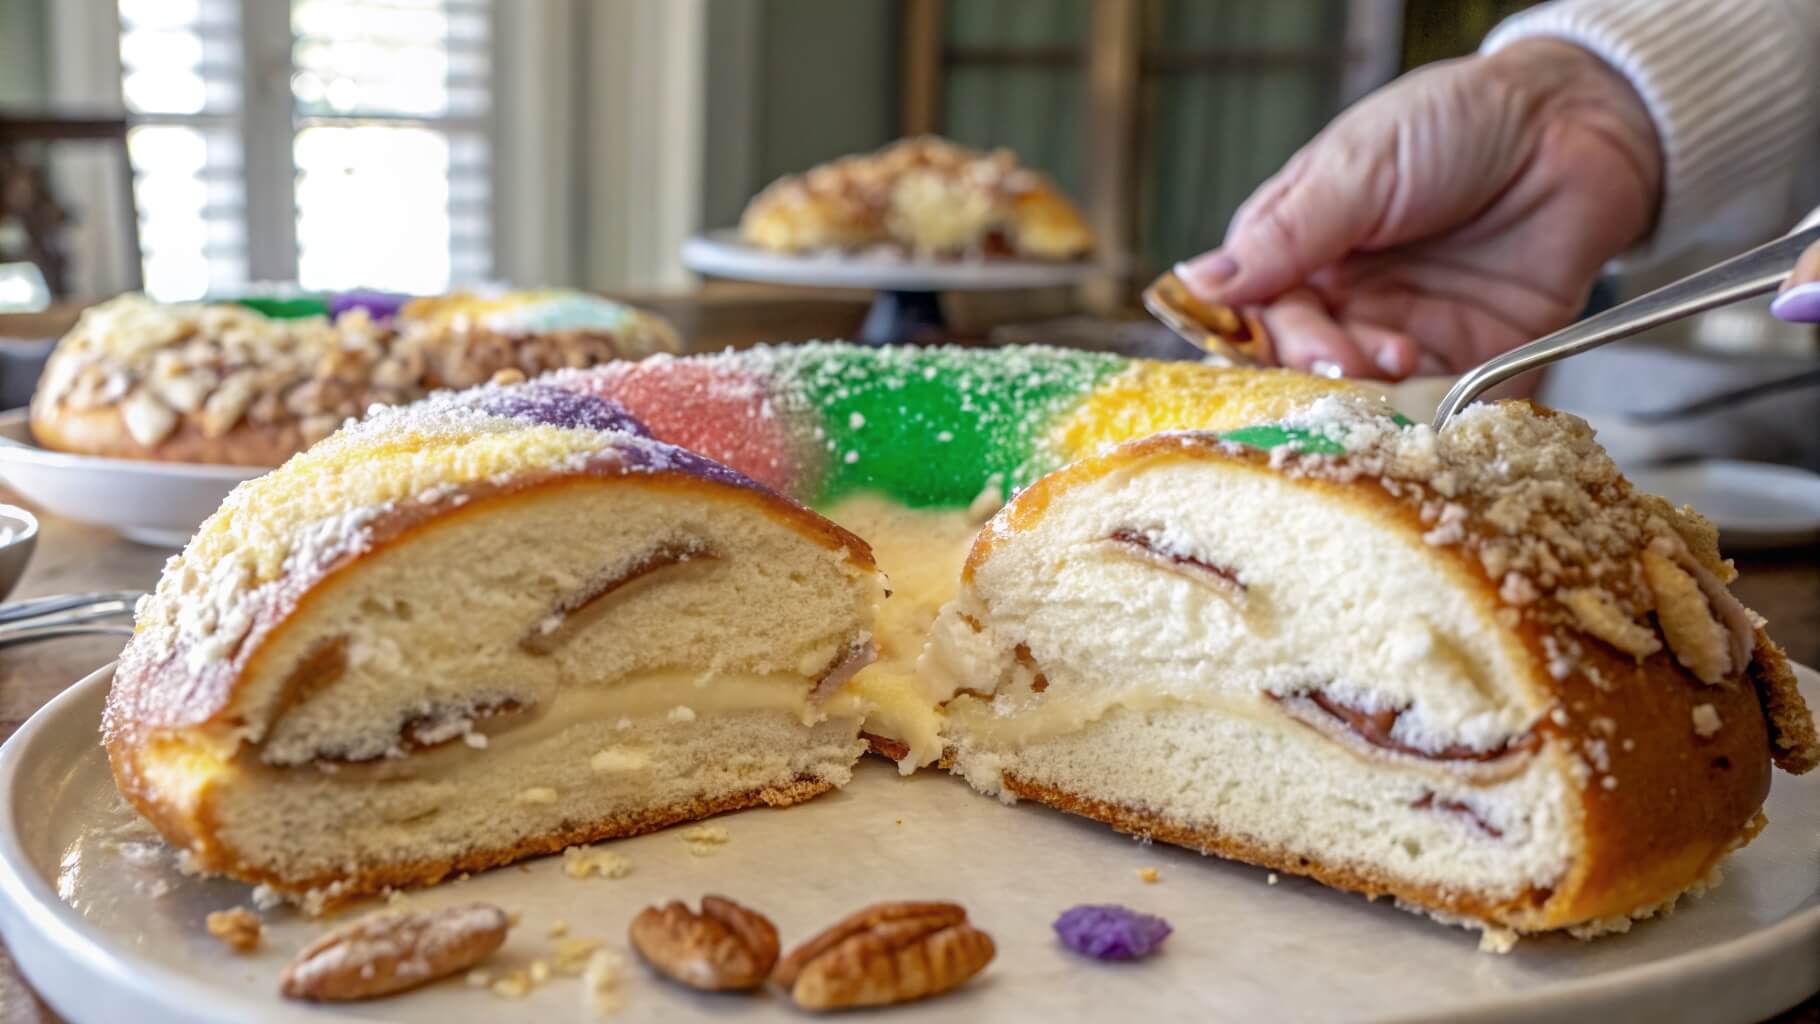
x=1326, y=368
x=1800, y=304
x=1208, y=268
x=1388, y=362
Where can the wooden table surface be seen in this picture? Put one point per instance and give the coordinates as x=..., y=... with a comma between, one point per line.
x=1784, y=587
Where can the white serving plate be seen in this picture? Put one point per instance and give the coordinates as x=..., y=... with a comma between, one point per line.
x=158, y=503
x=1755, y=505
x=105, y=936
x=722, y=254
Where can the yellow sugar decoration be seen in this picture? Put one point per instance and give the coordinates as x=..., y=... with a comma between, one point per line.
x=363, y=469
x=1152, y=397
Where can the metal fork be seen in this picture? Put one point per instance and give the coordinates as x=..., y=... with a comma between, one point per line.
x=46, y=618
x=1760, y=270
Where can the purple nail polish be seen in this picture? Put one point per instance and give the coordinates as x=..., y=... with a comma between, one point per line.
x=1800, y=304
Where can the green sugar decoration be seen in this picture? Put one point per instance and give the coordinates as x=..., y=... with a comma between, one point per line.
x=933, y=427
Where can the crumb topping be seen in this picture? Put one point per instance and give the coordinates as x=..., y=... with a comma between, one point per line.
x=1533, y=499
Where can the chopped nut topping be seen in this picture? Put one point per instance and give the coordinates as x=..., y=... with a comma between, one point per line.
x=238, y=927
x=582, y=861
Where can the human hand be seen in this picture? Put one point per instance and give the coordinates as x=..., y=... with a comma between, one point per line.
x=1799, y=299
x=1460, y=211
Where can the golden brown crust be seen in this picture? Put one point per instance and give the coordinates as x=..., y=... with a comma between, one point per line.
x=926, y=196
x=102, y=432
x=1532, y=911
x=200, y=834
x=1791, y=725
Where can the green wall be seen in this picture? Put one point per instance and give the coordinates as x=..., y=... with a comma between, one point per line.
x=23, y=41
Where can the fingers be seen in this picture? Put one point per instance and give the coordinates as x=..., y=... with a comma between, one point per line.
x=1799, y=299
x=1316, y=210
x=1308, y=337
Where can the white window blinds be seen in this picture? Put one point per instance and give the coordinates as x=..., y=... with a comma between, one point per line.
x=337, y=143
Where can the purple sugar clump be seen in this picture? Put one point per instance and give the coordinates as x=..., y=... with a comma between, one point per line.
x=558, y=407
x=379, y=305
x=1108, y=931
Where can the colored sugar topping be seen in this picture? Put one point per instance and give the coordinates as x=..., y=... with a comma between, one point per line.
x=557, y=407
x=523, y=312
x=929, y=427
x=719, y=407
x=1108, y=931
x=445, y=442
x=286, y=307
x=933, y=427
x=378, y=305
x=1152, y=397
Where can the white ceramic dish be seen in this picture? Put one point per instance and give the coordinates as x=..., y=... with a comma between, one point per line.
x=722, y=254
x=158, y=503
x=1755, y=505
x=107, y=930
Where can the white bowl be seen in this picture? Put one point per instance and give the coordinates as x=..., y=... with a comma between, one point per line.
x=158, y=503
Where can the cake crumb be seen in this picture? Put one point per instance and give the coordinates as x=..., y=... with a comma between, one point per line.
x=515, y=985
x=237, y=927
x=582, y=861
x=1706, y=720
x=681, y=713
x=395, y=898
x=1610, y=782
x=540, y=972
x=602, y=982
x=1497, y=940
x=572, y=955
x=704, y=839
x=1271, y=879
x=558, y=928
x=264, y=896
x=1148, y=876
x=537, y=795
x=479, y=978
x=477, y=740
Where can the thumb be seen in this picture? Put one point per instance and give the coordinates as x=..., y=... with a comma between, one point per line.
x=1310, y=215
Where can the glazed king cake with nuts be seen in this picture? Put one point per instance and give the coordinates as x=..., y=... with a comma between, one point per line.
x=1250, y=612
x=253, y=382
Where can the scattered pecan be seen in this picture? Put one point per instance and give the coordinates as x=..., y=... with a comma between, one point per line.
x=885, y=953
x=390, y=952
x=725, y=947
x=237, y=927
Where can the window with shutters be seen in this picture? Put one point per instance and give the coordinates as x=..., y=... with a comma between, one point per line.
x=334, y=143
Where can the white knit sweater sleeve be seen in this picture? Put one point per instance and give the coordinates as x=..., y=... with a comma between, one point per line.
x=1734, y=89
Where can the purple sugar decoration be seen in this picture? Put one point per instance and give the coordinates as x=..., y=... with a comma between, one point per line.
x=554, y=406
x=379, y=305
x=558, y=407
x=1107, y=931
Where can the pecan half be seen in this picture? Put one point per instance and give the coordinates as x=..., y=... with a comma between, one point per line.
x=885, y=953
x=390, y=952
x=724, y=948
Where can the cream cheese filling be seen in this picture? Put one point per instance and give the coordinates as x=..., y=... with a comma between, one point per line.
x=921, y=552
x=670, y=697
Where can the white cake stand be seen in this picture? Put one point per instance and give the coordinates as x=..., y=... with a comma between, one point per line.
x=907, y=305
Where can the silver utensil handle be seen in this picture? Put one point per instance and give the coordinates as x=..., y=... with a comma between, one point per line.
x=68, y=617
x=33, y=634
x=30, y=609
x=1752, y=273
